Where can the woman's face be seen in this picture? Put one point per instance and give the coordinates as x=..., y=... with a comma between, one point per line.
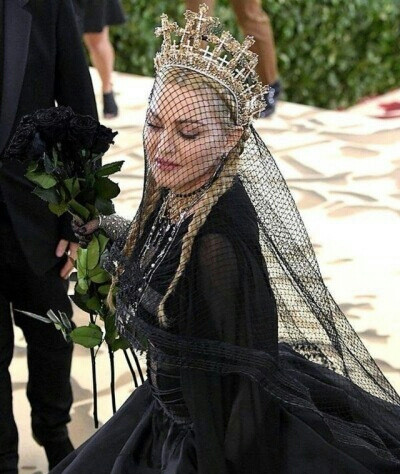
x=183, y=137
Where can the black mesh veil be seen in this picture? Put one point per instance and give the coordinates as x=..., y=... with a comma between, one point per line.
x=219, y=284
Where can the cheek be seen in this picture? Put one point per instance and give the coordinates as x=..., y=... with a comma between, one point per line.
x=200, y=154
x=150, y=142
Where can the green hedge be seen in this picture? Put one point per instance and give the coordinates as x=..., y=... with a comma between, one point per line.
x=331, y=53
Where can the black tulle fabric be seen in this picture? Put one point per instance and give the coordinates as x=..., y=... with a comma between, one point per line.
x=256, y=368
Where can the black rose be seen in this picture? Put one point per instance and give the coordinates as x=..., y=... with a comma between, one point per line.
x=82, y=131
x=38, y=146
x=53, y=123
x=52, y=116
x=27, y=120
x=103, y=140
x=21, y=142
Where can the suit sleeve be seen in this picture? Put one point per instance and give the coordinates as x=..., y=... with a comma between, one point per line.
x=73, y=83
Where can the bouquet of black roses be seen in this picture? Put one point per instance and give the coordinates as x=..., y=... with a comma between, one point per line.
x=62, y=151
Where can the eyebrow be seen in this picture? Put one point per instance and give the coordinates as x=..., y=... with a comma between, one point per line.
x=179, y=121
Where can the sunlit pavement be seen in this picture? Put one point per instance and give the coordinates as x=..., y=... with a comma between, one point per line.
x=344, y=171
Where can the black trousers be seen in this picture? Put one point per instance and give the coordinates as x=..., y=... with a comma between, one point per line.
x=49, y=355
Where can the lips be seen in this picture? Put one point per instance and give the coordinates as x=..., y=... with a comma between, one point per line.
x=166, y=165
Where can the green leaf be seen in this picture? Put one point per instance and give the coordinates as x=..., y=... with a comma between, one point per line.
x=95, y=271
x=48, y=195
x=109, y=168
x=82, y=286
x=72, y=184
x=78, y=209
x=43, y=180
x=91, y=208
x=35, y=316
x=93, y=304
x=87, y=336
x=104, y=206
x=49, y=166
x=104, y=290
x=33, y=165
x=120, y=343
x=111, y=330
x=58, y=209
x=103, y=241
x=63, y=194
x=93, y=251
x=80, y=272
x=82, y=261
x=106, y=189
x=80, y=291
x=101, y=277
x=80, y=300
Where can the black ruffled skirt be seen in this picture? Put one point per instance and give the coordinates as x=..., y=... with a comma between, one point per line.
x=142, y=438
x=139, y=438
x=94, y=15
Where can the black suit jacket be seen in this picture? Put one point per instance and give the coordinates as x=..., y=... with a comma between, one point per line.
x=44, y=63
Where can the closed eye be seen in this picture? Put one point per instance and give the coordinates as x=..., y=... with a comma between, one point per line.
x=189, y=136
x=153, y=125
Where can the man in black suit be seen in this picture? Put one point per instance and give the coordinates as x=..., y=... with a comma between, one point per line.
x=41, y=62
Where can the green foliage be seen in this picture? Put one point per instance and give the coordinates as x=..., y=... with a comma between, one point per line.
x=44, y=180
x=87, y=336
x=109, y=168
x=331, y=53
x=93, y=251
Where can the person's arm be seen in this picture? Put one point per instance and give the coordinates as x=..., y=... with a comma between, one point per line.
x=234, y=283
x=114, y=226
x=236, y=308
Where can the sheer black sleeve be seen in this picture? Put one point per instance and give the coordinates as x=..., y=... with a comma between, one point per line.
x=219, y=286
x=114, y=255
x=236, y=307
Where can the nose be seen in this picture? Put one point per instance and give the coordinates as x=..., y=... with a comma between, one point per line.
x=167, y=142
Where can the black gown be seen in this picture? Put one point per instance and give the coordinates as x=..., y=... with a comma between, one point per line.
x=183, y=420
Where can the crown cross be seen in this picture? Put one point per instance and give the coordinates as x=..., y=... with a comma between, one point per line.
x=167, y=27
x=207, y=53
x=223, y=61
x=199, y=25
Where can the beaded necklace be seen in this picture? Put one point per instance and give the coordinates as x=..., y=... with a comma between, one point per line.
x=160, y=240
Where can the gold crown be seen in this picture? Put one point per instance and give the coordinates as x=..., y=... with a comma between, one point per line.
x=220, y=57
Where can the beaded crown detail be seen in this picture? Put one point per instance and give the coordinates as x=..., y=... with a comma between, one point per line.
x=199, y=47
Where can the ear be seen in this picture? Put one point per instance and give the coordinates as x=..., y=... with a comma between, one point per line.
x=233, y=135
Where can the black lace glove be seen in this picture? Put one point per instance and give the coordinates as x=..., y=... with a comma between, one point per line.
x=82, y=231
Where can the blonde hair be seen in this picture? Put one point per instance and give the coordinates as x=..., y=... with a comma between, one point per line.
x=193, y=80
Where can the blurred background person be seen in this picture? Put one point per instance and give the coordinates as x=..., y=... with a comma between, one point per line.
x=255, y=22
x=94, y=19
x=41, y=62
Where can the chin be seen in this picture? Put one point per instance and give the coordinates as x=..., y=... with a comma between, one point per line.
x=164, y=181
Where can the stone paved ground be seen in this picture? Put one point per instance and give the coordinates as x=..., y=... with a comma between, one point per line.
x=344, y=171
x=386, y=106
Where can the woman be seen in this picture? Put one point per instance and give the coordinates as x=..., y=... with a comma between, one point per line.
x=94, y=19
x=252, y=367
